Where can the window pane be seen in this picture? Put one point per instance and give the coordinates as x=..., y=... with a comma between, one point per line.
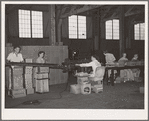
x=73, y=26
x=82, y=27
x=37, y=26
x=115, y=29
x=109, y=29
x=24, y=23
x=136, y=31
x=142, y=31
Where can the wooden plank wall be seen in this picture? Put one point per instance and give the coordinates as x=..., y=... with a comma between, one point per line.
x=54, y=54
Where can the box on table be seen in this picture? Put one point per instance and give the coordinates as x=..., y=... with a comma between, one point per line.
x=30, y=91
x=75, y=88
x=28, y=60
x=82, y=79
x=16, y=93
x=42, y=85
x=85, y=88
x=141, y=89
x=17, y=82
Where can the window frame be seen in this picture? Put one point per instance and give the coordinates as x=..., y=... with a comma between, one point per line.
x=77, y=23
x=112, y=30
x=31, y=33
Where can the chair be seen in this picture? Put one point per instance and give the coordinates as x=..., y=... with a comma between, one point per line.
x=97, y=81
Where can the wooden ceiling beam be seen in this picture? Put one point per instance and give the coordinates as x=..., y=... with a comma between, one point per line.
x=75, y=10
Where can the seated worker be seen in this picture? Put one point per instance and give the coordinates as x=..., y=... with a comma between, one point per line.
x=40, y=58
x=14, y=56
x=136, y=71
x=127, y=73
x=94, y=64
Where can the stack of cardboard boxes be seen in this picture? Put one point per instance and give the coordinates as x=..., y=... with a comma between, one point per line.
x=28, y=77
x=17, y=87
x=42, y=79
x=83, y=86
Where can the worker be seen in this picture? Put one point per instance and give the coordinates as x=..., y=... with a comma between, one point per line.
x=126, y=73
x=15, y=56
x=40, y=58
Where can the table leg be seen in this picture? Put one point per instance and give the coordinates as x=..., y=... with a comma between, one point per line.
x=112, y=77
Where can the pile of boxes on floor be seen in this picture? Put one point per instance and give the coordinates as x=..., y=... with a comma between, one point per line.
x=22, y=81
x=83, y=85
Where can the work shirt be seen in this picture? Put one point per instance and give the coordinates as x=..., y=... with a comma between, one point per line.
x=13, y=57
x=94, y=64
x=109, y=58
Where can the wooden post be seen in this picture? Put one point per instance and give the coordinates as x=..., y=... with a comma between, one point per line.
x=122, y=30
x=52, y=24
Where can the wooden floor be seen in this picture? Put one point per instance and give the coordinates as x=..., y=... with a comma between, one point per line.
x=120, y=96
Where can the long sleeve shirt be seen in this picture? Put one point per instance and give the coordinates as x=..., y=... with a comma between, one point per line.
x=94, y=64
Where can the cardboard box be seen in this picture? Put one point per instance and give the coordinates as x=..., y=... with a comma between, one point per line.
x=42, y=85
x=18, y=93
x=28, y=84
x=28, y=76
x=30, y=91
x=17, y=82
x=75, y=88
x=82, y=79
x=28, y=70
x=17, y=71
x=27, y=60
x=41, y=75
x=85, y=88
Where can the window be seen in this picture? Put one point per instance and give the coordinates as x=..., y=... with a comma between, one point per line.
x=30, y=24
x=77, y=27
x=139, y=31
x=112, y=29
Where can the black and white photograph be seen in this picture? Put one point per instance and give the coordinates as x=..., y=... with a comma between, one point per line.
x=74, y=60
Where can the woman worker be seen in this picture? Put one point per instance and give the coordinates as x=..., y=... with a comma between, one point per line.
x=14, y=56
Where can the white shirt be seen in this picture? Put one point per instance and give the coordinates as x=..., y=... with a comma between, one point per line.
x=94, y=64
x=109, y=58
x=12, y=57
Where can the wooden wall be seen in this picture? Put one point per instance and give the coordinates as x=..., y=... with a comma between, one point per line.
x=131, y=46
x=54, y=54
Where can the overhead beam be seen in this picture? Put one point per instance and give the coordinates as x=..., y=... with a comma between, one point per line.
x=74, y=10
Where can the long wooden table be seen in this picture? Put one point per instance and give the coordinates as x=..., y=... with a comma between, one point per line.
x=112, y=68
